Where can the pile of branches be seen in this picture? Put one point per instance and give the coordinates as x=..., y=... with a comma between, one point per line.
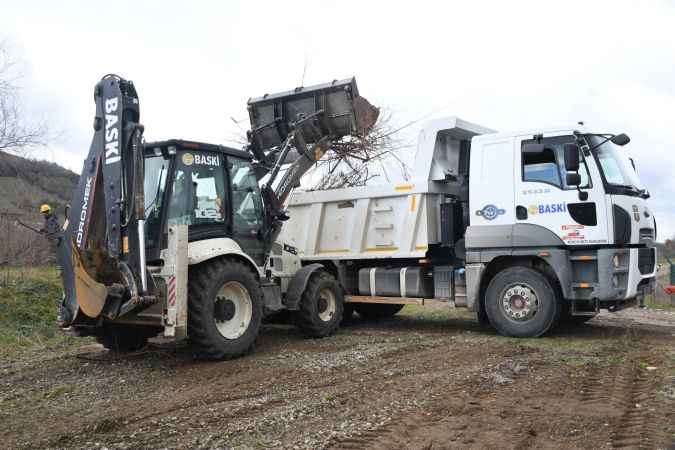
x=355, y=161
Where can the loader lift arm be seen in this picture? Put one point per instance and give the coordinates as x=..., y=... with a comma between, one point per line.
x=298, y=128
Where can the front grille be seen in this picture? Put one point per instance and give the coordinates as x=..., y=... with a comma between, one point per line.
x=646, y=260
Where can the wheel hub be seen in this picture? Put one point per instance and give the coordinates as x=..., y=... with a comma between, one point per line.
x=322, y=304
x=520, y=302
x=232, y=310
x=326, y=305
x=224, y=309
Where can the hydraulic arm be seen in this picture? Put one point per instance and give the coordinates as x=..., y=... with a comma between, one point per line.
x=298, y=127
x=102, y=254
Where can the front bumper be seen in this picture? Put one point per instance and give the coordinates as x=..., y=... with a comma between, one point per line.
x=613, y=274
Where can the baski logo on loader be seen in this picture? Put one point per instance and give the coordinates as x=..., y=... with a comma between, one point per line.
x=83, y=212
x=112, y=131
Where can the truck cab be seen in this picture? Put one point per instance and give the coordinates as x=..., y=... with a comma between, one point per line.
x=593, y=230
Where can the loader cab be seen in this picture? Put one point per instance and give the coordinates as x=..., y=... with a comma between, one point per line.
x=211, y=188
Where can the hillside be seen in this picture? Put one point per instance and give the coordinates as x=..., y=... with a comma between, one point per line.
x=25, y=184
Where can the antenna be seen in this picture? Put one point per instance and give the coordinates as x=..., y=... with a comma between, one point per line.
x=304, y=71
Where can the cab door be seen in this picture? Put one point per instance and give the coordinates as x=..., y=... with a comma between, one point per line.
x=246, y=208
x=543, y=197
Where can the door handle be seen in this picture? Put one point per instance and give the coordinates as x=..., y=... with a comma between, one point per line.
x=521, y=212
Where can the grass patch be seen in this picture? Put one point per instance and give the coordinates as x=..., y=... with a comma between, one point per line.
x=434, y=312
x=29, y=301
x=576, y=344
x=651, y=303
x=58, y=391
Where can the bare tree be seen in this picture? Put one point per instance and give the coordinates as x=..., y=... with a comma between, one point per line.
x=17, y=134
x=353, y=161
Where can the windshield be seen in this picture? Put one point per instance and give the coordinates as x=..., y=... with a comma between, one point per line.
x=614, y=163
x=156, y=169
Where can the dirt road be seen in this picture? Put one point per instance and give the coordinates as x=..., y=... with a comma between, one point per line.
x=420, y=380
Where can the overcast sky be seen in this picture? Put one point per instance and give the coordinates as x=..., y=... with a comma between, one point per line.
x=505, y=65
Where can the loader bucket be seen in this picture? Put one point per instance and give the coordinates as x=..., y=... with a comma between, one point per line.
x=337, y=107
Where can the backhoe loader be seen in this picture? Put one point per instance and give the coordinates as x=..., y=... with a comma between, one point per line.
x=178, y=237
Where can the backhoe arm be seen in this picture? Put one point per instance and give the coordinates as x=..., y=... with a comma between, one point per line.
x=103, y=249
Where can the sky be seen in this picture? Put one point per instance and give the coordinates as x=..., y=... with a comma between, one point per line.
x=505, y=65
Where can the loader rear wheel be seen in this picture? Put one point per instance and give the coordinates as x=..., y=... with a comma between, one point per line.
x=321, y=306
x=377, y=310
x=224, y=309
x=125, y=339
x=521, y=302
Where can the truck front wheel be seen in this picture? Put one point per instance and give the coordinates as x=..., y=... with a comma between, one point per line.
x=321, y=306
x=521, y=302
x=224, y=309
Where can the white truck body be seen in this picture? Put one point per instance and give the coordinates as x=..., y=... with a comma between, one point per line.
x=382, y=221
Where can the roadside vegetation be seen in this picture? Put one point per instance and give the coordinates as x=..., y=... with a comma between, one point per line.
x=29, y=298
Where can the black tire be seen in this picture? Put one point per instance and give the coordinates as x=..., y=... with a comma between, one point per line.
x=319, y=316
x=522, y=279
x=377, y=310
x=204, y=282
x=125, y=339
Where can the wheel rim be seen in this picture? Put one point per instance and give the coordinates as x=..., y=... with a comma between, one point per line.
x=326, y=304
x=233, y=310
x=519, y=302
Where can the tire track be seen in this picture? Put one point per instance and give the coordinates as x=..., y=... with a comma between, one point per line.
x=627, y=393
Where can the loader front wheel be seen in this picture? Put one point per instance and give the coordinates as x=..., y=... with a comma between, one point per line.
x=321, y=306
x=224, y=309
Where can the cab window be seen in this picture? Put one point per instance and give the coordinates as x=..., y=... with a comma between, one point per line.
x=197, y=196
x=246, y=202
x=549, y=166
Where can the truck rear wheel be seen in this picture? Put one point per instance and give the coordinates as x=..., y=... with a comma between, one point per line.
x=321, y=306
x=521, y=302
x=377, y=310
x=224, y=309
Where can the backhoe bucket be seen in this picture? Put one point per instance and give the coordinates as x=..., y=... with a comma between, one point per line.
x=336, y=110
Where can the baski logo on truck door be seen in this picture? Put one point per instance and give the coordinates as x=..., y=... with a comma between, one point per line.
x=548, y=208
x=112, y=131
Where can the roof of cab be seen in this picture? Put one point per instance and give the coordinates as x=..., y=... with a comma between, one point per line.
x=194, y=145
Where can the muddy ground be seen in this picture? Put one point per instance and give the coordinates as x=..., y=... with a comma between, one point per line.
x=422, y=380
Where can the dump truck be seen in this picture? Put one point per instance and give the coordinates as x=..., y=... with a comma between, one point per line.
x=523, y=228
x=174, y=237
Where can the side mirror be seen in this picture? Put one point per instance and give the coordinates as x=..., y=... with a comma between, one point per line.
x=620, y=139
x=573, y=179
x=532, y=148
x=571, y=157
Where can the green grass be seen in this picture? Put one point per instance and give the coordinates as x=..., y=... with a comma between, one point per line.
x=29, y=300
x=651, y=303
x=434, y=312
